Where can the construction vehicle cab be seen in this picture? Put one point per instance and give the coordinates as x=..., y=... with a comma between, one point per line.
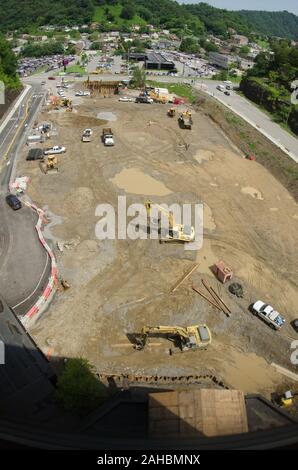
x=189, y=338
x=171, y=112
x=174, y=231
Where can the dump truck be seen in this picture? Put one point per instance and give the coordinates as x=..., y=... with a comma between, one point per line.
x=174, y=231
x=189, y=338
x=185, y=120
x=107, y=137
x=86, y=136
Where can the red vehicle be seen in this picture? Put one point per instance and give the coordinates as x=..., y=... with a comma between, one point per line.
x=51, y=78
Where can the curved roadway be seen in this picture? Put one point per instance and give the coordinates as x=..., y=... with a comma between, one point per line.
x=24, y=264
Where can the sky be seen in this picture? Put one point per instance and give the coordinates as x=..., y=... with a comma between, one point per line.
x=270, y=5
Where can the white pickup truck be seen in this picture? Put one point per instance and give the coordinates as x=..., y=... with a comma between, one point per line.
x=86, y=136
x=269, y=315
x=54, y=150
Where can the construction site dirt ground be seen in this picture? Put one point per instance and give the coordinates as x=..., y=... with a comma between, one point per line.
x=118, y=286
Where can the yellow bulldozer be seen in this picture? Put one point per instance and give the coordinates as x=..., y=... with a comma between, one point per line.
x=189, y=338
x=50, y=166
x=171, y=112
x=174, y=231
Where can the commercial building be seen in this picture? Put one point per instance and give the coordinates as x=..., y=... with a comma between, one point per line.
x=156, y=60
x=152, y=60
x=220, y=60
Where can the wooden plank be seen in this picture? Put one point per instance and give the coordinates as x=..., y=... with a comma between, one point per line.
x=215, y=297
x=206, y=298
x=220, y=299
x=184, y=277
x=288, y=373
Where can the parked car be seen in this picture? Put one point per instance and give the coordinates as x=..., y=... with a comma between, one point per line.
x=51, y=78
x=82, y=93
x=13, y=202
x=268, y=314
x=143, y=99
x=54, y=150
x=294, y=324
x=227, y=93
x=125, y=99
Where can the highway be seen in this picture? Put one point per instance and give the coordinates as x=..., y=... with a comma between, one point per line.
x=252, y=113
x=24, y=264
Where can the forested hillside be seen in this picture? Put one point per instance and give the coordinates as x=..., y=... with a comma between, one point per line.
x=278, y=23
x=269, y=82
x=198, y=18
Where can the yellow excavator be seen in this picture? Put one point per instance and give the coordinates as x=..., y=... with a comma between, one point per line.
x=171, y=112
x=189, y=338
x=175, y=232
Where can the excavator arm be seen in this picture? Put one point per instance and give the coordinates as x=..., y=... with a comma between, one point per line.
x=167, y=331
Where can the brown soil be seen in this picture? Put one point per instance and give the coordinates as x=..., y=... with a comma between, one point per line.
x=251, y=142
x=117, y=286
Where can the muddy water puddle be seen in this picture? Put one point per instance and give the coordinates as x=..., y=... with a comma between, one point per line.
x=134, y=181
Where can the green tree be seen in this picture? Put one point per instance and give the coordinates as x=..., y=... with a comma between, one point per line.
x=127, y=12
x=78, y=389
x=244, y=51
x=8, y=65
x=139, y=77
x=189, y=45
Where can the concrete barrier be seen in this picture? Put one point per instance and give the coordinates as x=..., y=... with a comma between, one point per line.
x=42, y=303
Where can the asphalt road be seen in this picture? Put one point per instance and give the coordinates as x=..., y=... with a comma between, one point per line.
x=24, y=264
x=244, y=107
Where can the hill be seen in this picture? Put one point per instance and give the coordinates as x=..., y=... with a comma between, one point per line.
x=110, y=14
x=278, y=23
x=198, y=18
x=217, y=21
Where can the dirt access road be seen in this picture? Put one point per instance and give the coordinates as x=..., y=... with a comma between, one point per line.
x=117, y=286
